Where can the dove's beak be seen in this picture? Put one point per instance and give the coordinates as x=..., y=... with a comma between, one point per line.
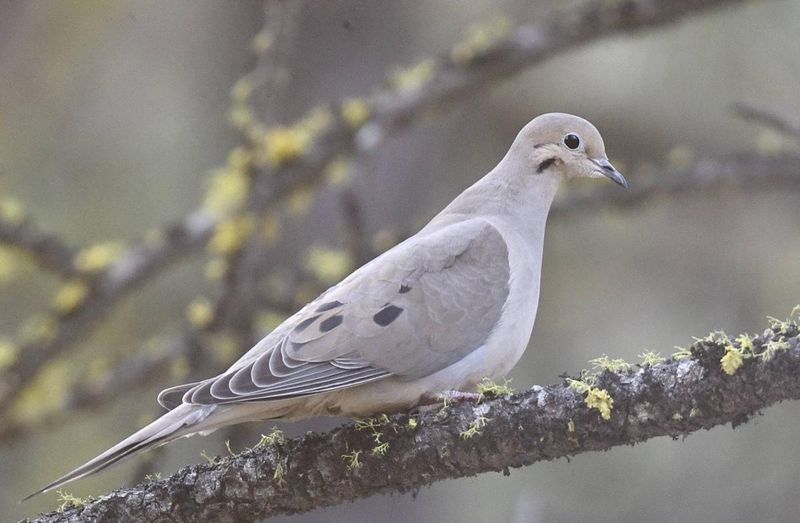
x=605, y=168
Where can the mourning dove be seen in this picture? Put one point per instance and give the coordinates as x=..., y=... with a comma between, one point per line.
x=449, y=306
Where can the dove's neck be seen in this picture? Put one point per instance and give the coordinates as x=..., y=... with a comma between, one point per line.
x=512, y=191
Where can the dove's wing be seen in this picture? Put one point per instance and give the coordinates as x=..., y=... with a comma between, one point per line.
x=416, y=309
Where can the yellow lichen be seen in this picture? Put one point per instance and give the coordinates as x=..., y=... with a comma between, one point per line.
x=478, y=39
x=67, y=500
x=275, y=437
x=717, y=337
x=339, y=172
x=579, y=386
x=278, y=475
x=731, y=360
x=231, y=234
x=609, y=364
x=352, y=459
x=98, y=256
x=8, y=353
x=241, y=117
x=412, y=423
x=474, y=427
x=745, y=342
x=262, y=41
x=570, y=426
x=285, y=144
x=355, y=111
x=381, y=449
x=240, y=158
x=681, y=353
x=329, y=265
x=413, y=77
x=773, y=347
x=651, y=358
x=242, y=89
x=152, y=478
x=601, y=400
x=200, y=312
x=12, y=210
x=227, y=190
x=488, y=386
x=70, y=296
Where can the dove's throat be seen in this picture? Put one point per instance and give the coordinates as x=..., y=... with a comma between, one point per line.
x=512, y=192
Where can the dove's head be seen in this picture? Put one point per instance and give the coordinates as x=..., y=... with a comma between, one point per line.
x=565, y=145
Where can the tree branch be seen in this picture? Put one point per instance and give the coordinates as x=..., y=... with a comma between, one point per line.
x=673, y=398
x=762, y=116
x=743, y=170
x=47, y=250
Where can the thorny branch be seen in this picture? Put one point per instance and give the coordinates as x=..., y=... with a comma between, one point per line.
x=714, y=382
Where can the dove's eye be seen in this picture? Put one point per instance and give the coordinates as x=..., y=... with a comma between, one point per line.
x=572, y=141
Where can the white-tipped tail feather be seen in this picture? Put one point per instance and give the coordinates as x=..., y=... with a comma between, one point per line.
x=184, y=420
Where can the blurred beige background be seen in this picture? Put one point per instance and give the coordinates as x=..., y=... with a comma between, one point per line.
x=112, y=114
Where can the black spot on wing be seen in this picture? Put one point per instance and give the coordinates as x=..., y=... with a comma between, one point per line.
x=303, y=325
x=545, y=164
x=328, y=306
x=330, y=323
x=404, y=288
x=387, y=315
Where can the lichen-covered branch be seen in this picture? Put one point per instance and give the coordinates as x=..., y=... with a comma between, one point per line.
x=103, y=290
x=47, y=250
x=715, y=381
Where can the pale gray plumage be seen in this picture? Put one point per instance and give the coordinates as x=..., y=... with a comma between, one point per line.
x=447, y=307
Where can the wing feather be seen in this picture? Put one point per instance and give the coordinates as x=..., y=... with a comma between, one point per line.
x=410, y=312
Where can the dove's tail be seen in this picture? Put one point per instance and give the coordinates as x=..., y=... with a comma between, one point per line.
x=184, y=420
